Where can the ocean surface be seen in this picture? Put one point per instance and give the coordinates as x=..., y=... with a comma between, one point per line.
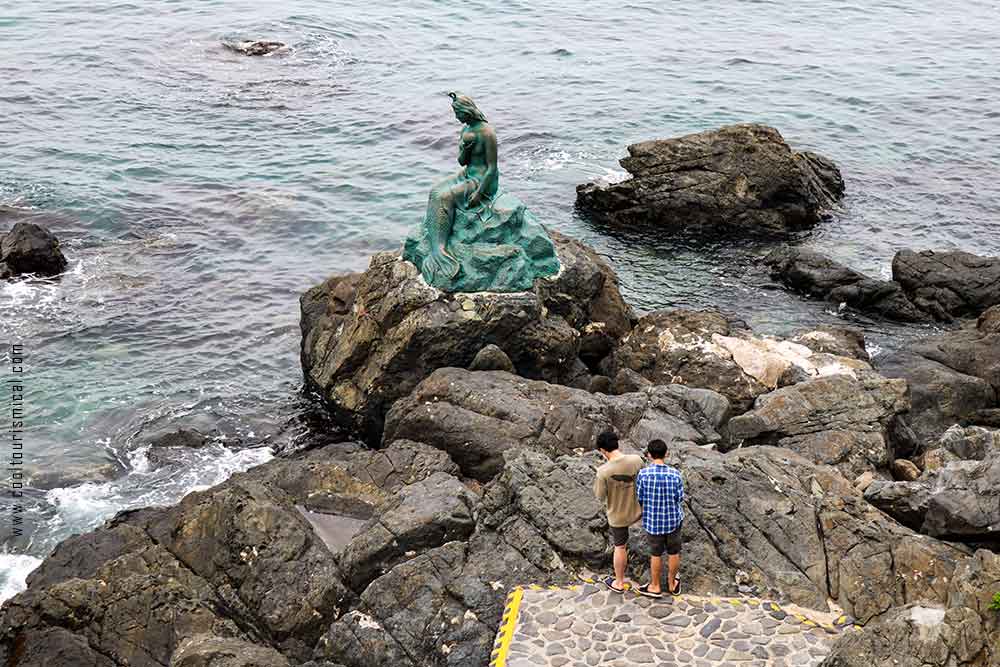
x=199, y=192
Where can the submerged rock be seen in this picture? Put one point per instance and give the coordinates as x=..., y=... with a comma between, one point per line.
x=30, y=248
x=741, y=177
x=926, y=286
x=369, y=338
x=256, y=47
x=819, y=276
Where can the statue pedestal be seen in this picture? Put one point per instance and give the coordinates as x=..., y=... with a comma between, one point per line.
x=500, y=247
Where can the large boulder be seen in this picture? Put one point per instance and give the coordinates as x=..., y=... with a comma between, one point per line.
x=948, y=284
x=478, y=415
x=709, y=350
x=741, y=177
x=369, y=339
x=953, y=377
x=816, y=275
x=960, y=501
x=30, y=248
x=838, y=420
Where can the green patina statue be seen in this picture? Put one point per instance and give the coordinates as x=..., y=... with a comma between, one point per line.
x=475, y=237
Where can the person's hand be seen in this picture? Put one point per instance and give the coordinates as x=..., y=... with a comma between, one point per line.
x=475, y=199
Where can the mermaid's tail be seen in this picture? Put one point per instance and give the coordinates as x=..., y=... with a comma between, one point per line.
x=439, y=267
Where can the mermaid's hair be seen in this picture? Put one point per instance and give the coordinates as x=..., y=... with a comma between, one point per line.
x=463, y=104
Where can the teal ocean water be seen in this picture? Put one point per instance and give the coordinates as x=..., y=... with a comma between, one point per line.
x=199, y=192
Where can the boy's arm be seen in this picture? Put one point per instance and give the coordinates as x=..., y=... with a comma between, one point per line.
x=600, y=488
x=638, y=489
x=679, y=490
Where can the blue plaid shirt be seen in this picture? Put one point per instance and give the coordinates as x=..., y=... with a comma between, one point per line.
x=660, y=490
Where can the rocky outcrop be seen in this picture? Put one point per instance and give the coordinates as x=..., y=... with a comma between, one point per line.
x=961, y=631
x=477, y=416
x=742, y=177
x=953, y=378
x=926, y=286
x=708, y=350
x=30, y=249
x=948, y=284
x=816, y=275
x=369, y=338
x=836, y=420
x=960, y=501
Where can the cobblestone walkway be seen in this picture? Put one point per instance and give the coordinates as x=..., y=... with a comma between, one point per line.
x=587, y=625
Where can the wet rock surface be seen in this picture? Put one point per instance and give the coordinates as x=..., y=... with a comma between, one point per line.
x=742, y=177
x=29, y=248
x=948, y=284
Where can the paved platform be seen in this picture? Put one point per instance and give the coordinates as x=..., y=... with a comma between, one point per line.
x=587, y=625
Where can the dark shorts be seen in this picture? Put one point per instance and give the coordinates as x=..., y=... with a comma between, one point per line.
x=669, y=542
x=619, y=536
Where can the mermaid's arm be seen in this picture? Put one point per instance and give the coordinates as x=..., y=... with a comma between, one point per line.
x=490, y=181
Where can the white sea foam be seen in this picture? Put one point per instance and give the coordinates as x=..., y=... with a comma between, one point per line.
x=80, y=508
x=14, y=569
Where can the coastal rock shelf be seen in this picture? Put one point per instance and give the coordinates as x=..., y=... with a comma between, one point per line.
x=738, y=177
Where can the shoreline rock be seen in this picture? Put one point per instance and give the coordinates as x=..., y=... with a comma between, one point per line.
x=742, y=177
x=370, y=338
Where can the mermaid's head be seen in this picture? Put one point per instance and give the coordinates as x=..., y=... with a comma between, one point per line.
x=465, y=109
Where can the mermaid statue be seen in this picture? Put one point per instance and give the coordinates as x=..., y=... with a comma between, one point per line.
x=475, y=237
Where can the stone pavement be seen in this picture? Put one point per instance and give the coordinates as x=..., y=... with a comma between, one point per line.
x=587, y=625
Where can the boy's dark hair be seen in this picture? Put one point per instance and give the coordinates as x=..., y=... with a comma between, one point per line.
x=607, y=441
x=657, y=449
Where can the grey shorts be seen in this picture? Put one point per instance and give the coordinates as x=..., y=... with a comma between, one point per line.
x=619, y=536
x=669, y=542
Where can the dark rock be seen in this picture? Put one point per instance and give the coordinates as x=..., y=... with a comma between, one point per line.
x=971, y=443
x=960, y=501
x=476, y=416
x=491, y=358
x=30, y=248
x=422, y=515
x=600, y=384
x=373, y=337
x=181, y=438
x=811, y=273
x=256, y=47
x=953, y=378
x=800, y=532
x=948, y=284
x=627, y=380
x=836, y=420
x=739, y=176
x=212, y=651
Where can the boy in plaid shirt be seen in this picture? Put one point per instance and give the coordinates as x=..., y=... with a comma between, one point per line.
x=659, y=488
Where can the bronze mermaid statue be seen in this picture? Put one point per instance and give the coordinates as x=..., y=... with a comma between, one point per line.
x=474, y=237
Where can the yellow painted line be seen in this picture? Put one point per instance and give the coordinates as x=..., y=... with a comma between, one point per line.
x=506, y=633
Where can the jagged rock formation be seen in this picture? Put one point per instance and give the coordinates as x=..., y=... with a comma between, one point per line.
x=742, y=177
x=369, y=338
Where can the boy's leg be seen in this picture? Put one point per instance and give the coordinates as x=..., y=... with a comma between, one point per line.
x=673, y=545
x=657, y=545
x=621, y=560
